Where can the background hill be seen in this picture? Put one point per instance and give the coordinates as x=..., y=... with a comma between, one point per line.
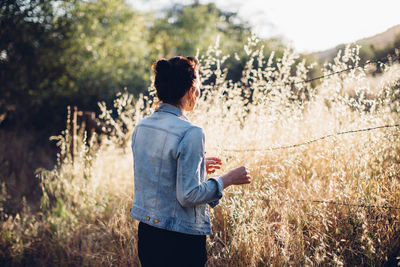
x=370, y=46
x=382, y=39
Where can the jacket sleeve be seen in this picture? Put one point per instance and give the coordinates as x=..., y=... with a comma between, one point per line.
x=190, y=190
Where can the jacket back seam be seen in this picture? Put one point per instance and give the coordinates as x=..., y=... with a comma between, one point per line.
x=159, y=172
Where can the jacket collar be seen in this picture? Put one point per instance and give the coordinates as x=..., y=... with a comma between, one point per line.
x=165, y=107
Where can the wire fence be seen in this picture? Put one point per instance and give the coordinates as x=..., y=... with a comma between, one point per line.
x=308, y=141
x=382, y=60
x=329, y=202
x=390, y=57
x=350, y=205
x=336, y=203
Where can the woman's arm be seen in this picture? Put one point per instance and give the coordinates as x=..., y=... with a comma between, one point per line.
x=190, y=191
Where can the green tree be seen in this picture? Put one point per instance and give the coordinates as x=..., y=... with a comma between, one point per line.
x=185, y=29
x=107, y=51
x=71, y=52
x=30, y=39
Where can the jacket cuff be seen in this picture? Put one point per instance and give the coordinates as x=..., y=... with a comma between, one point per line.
x=220, y=188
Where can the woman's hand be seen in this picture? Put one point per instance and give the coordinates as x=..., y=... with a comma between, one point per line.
x=236, y=176
x=212, y=164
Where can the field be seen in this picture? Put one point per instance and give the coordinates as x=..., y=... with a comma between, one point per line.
x=335, y=201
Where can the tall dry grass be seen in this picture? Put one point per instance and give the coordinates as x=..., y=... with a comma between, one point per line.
x=273, y=221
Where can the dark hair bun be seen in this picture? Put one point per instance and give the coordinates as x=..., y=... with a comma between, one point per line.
x=163, y=66
x=174, y=77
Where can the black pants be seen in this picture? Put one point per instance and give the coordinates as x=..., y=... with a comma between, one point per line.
x=160, y=247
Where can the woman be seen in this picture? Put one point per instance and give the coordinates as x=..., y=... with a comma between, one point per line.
x=172, y=193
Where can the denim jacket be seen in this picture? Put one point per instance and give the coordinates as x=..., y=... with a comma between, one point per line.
x=171, y=189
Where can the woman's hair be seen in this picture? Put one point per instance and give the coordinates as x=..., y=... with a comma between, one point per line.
x=174, y=77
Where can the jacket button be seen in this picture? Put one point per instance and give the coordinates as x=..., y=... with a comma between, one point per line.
x=156, y=221
x=148, y=218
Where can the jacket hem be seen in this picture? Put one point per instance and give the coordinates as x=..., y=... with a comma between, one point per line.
x=170, y=223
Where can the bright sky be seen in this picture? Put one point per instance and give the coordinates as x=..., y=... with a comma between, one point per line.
x=310, y=25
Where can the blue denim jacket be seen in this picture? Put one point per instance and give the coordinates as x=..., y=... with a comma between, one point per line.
x=171, y=189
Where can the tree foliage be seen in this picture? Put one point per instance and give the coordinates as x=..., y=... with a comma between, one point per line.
x=184, y=29
x=55, y=53
x=31, y=38
x=192, y=29
x=59, y=53
x=107, y=50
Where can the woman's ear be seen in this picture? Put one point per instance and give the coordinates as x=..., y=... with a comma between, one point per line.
x=193, y=90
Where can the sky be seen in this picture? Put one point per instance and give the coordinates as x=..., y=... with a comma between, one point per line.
x=307, y=25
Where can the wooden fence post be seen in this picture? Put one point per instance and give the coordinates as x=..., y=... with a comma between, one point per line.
x=74, y=122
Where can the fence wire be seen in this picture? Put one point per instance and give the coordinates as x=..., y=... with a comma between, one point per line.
x=330, y=202
x=336, y=203
x=308, y=141
x=382, y=60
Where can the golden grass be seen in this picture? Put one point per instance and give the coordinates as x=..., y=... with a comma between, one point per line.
x=273, y=221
